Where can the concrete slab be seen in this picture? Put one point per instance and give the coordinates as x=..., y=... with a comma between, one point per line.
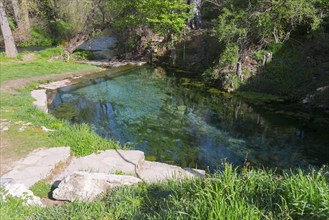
x=152, y=172
x=37, y=165
x=109, y=161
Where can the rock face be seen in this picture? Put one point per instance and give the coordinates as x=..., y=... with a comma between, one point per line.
x=18, y=190
x=84, y=186
x=37, y=165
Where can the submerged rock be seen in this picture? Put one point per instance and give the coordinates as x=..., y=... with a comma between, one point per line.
x=84, y=186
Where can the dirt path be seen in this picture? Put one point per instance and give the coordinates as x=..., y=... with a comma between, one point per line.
x=12, y=85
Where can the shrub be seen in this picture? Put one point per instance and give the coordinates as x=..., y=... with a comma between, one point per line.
x=39, y=37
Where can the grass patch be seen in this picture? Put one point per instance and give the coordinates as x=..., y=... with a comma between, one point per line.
x=227, y=194
x=82, y=140
x=42, y=189
x=79, y=137
x=18, y=109
x=14, y=68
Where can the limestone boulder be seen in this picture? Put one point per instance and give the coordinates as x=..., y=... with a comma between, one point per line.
x=18, y=190
x=85, y=186
x=109, y=161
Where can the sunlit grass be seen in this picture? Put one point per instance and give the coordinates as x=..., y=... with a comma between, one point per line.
x=228, y=194
x=41, y=64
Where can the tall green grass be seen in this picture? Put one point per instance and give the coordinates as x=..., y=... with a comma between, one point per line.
x=228, y=194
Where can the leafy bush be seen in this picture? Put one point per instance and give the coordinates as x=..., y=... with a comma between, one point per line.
x=84, y=55
x=63, y=29
x=230, y=55
x=39, y=37
x=259, y=55
x=264, y=22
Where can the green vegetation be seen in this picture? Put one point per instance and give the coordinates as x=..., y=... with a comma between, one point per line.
x=284, y=30
x=41, y=189
x=82, y=140
x=18, y=109
x=227, y=194
x=288, y=40
x=259, y=98
x=38, y=64
x=38, y=38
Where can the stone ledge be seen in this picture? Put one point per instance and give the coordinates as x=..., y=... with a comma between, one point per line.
x=37, y=165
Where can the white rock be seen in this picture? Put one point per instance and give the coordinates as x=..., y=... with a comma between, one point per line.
x=19, y=190
x=84, y=186
x=40, y=97
x=5, y=128
x=46, y=129
x=109, y=161
x=130, y=162
x=152, y=172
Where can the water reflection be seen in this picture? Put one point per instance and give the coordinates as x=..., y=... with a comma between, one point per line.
x=175, y=120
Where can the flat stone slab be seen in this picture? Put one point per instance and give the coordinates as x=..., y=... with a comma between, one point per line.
x=152, y=172
x=109, y=161
x=56, y=84
x=37, y=165
x=40, y=97
x=84, y=186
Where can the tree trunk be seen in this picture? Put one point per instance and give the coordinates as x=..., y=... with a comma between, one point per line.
x=25, y=15
x=10, y=46
x=83, y=35
x=21, y=13
x=195, y=22
x=16, y=10
x=239, y=70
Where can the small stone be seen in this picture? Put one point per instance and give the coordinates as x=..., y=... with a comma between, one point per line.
x=46, y=129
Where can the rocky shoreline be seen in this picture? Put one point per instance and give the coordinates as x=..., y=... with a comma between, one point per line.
x=87, y=177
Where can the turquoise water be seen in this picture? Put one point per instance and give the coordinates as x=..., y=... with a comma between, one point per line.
x=176, y=120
